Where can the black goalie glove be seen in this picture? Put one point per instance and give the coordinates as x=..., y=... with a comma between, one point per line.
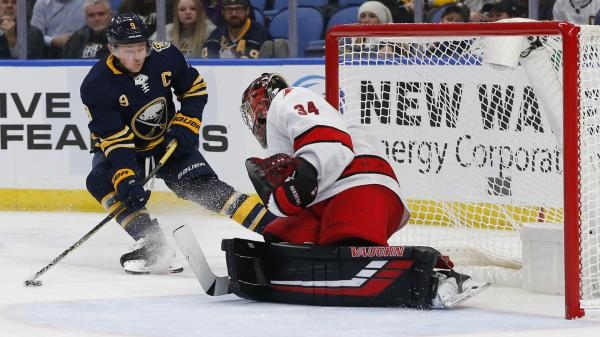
x=293, y=181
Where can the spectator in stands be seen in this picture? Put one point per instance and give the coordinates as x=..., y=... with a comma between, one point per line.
x=475, y=7
x=90, y=40
x=504, y=9
x=57, y=19
x=452, y=13
x=374, y=12
x=190, y=27
x=576, y=11
x=8, y=34
x=457, y=12
x=404, y=11
x=240, y=37
x=146, y=9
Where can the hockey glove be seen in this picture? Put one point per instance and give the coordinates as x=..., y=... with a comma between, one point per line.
x=292, y=181
x=266, y=174
x=129, y=190
x=185, y=130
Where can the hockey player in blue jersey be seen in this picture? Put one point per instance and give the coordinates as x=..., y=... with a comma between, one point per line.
x=128, y=97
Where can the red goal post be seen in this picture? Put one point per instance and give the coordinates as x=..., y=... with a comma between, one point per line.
x=424, y=87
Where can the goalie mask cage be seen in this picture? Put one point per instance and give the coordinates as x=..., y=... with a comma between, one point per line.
x=471, y=118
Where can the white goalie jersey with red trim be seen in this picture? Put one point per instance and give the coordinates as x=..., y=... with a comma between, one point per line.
x=303, y=124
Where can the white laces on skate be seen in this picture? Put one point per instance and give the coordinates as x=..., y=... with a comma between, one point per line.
x=447, y=288
x=450, y=294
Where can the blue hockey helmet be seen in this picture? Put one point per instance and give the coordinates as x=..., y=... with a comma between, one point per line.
x=127, y=28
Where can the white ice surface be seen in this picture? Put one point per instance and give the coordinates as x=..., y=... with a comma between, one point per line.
x=87, y=293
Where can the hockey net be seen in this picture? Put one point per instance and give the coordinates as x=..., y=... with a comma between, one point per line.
x=471, y=117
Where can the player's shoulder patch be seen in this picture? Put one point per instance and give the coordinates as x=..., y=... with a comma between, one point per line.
x=160, y=45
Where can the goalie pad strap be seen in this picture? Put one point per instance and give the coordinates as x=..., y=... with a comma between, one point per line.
x=332, y=276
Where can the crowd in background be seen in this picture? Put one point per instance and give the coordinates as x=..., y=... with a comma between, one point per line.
x=238, y=28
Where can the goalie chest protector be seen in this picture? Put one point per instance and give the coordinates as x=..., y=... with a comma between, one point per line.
x=332, y=275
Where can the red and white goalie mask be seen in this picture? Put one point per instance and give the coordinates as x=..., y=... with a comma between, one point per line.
x=256, y=101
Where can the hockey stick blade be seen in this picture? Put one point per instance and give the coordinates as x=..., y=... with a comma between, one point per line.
x=213, y=285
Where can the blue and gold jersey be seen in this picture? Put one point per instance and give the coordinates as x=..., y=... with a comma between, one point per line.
x=129, y=113
x=246, y=45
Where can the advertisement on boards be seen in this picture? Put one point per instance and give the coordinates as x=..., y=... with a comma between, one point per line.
x=457, y=134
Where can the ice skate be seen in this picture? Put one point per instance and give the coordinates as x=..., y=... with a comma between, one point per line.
x=455, y=288
x=147, y=257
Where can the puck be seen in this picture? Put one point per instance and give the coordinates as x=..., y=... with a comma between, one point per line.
x=33, y=283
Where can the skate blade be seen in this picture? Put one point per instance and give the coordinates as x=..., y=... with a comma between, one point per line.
x=146, y=272
x=131, y=272
x=138, y=267
x=465, y=295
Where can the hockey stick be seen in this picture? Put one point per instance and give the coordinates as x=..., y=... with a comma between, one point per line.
x=33, y=280
x=213, y=285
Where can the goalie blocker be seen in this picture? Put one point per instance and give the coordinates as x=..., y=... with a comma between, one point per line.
x=342, y=276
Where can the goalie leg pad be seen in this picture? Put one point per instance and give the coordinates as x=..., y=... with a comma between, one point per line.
x=332, y=276
x=245, y=259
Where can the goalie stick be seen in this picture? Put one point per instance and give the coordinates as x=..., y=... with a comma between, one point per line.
x=213, y=285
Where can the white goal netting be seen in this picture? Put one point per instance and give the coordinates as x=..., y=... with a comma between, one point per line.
x=473, y=125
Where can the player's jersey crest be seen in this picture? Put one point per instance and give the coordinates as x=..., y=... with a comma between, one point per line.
x=151, y=120
x=142, y=81
x=160, y=45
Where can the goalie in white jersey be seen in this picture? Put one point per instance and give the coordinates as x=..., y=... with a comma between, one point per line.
x=338, y=202
x=328, y=181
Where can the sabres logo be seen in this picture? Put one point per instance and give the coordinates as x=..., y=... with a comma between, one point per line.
x=150, y=121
